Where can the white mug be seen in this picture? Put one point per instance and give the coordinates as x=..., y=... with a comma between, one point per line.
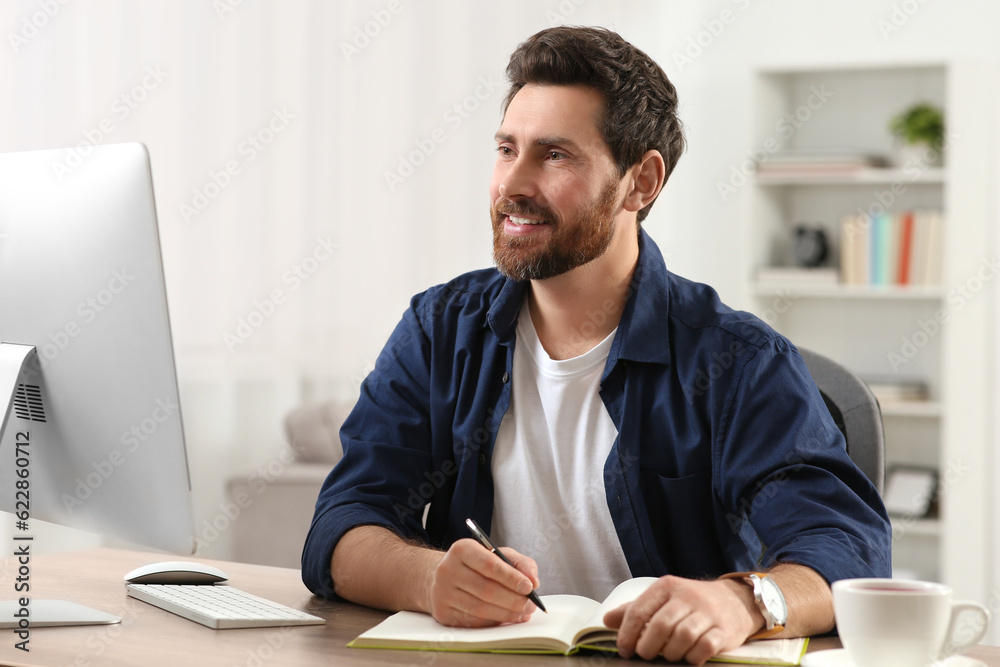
x=904, y=623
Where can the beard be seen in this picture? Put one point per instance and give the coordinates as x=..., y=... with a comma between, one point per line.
x=571, y=243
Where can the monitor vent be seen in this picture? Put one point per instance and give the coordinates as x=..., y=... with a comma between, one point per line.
x=28, y=403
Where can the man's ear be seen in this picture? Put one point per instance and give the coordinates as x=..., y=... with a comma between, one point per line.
x=647, y=177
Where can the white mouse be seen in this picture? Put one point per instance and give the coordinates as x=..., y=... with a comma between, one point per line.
x=176, y=572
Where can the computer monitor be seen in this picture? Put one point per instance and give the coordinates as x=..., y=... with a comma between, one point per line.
x=91, y=435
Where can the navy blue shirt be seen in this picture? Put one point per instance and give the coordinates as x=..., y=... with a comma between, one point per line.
x=726, y=459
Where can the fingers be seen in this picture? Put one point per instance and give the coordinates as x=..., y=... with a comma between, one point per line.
x=632, y=618
x=677, y=618
x=677, y=632
x=512, y=580
x=472, y=587
x=613, y=618
x=461, y=609
x=525, y=565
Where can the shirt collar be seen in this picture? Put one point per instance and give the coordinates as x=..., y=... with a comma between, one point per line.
x=643, y=330
x=643, y=327
x=502, y=316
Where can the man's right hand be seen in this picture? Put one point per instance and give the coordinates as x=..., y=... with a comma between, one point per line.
x=466, y=586
x=471, y=587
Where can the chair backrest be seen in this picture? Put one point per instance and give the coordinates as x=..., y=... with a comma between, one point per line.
x=856, y=412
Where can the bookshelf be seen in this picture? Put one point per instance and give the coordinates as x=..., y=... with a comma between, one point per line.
x=935, y=334
x=846, y=292
x=886, y=176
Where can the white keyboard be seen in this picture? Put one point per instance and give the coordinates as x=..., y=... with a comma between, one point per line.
x=220, y=607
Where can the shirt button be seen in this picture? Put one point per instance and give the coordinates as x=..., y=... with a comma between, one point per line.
x=482, y=459
x=506, y=377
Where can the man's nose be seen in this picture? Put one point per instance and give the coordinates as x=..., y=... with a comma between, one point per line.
x=519, y=180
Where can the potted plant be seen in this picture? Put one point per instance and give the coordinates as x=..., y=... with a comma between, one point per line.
x=920, y=131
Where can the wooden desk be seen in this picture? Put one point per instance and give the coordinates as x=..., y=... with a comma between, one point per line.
x=150, y=636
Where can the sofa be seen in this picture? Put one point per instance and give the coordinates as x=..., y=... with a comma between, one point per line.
x=276, y=498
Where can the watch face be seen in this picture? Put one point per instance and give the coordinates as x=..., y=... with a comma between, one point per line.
x=773, y=600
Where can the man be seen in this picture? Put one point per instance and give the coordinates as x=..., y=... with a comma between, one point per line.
x=599, y=415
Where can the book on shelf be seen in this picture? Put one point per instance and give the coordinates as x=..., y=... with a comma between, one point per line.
x=891, y=248
x=891, y=390
x=572, y=623
x=811, y=163
x=795, y=275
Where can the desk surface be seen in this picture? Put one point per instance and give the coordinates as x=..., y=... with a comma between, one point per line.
x=150, y=636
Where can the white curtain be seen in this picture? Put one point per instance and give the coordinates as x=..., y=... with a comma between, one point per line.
x=316, y=163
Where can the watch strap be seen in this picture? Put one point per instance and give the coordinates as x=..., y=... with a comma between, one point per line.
x=765, y=633
x=775, y=626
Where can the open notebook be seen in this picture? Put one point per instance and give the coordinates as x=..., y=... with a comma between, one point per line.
x=573, y=623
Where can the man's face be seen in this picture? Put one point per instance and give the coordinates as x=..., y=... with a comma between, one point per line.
x=554, y=196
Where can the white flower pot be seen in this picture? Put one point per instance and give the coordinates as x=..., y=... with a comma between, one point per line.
x=921, y=156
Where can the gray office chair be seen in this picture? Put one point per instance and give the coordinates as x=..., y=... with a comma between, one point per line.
x=855, y=411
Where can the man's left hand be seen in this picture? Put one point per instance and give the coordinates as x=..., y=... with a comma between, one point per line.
x=684, y=619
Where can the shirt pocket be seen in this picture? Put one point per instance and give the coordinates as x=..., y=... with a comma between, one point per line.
x=682, y=514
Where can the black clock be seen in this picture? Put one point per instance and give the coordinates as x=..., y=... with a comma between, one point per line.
x=809, y=246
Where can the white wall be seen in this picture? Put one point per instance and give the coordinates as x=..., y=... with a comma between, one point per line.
x=203, y=77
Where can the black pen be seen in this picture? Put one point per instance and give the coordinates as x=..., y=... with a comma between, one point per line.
x=478, y=533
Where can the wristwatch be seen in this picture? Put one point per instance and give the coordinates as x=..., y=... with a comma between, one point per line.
x=769, y=599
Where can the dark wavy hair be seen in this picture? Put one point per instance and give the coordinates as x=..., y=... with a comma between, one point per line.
x=641, y=103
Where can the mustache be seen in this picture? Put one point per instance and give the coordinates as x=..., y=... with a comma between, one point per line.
x=524, y=208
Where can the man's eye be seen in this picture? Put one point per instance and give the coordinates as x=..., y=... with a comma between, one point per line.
x=556, y=155
x=505, y=151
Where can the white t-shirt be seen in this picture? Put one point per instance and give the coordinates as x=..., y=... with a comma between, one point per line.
x=548, y=469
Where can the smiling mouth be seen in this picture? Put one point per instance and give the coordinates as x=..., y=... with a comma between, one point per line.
x=516, y=220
